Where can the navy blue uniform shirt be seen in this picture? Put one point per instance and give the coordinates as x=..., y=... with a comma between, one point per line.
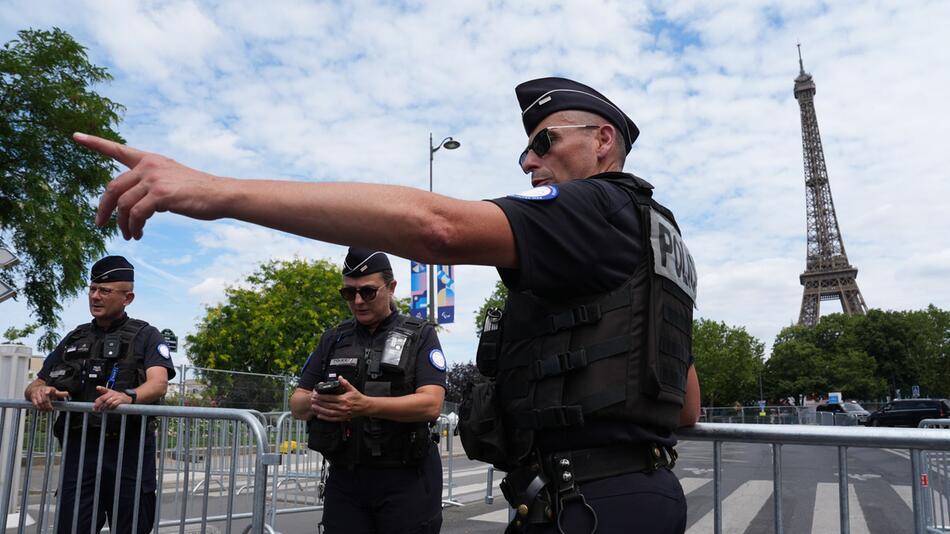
x=146, y=343
x=586, y=240
x=427, y=371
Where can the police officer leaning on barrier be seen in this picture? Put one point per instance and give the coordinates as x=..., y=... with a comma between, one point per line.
x=369, y=392
x=593, y=366
x=110, y=361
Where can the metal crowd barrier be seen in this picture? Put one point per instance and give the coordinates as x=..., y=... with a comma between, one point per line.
x=936, y=483
x=296, y=480
x=199, y=446
x=916, y=440
x=300, y=472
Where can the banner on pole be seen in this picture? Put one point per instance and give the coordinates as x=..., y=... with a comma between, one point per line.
x=445, y=282
x=419, y=287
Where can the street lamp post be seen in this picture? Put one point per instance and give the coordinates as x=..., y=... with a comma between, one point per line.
x=449, y=144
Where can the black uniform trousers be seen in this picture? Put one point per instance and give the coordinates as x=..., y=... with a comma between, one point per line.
x=638, y=503
x=86, y=491
x=384, y=500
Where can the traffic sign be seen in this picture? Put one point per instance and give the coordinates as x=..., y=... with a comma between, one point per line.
x=170, y=339
x=915, y=391
x=834, y=397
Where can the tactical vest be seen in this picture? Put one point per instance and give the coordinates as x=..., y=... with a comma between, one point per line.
x=106, y=360
x=385, y=369
x=621, y=356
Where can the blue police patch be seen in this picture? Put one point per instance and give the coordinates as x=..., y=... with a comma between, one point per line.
x=163, y=350
x=544, y=192
x=437, y=359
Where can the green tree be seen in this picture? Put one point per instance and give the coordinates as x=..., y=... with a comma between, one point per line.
x=47, y=182
x=795, y=368
x=930, y=349
x=831, y=356
x=459, y=377
x=273, y=321
x=728, y=361
x=267, y=325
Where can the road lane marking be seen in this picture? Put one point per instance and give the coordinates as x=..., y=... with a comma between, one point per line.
x=825, y=518
x=498, y=516
x=691, y=484
x=898, y=452
x=468, y=488
x=738, y=509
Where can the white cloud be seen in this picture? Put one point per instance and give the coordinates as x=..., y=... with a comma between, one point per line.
x=350, y=92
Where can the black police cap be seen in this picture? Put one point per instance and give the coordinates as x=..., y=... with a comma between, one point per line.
x=363, y=261
x=544, y=96
x=112, y=269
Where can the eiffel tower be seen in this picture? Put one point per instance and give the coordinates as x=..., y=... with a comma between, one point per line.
x=828, y=274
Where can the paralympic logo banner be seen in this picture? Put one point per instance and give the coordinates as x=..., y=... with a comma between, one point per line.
x=419, y=287
x=445, y=280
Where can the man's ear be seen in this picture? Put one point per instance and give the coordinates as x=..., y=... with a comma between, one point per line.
x=607, y=138
x=129, y=297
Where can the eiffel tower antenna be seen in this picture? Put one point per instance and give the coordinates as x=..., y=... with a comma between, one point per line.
x=801, y=67
x=828, y=274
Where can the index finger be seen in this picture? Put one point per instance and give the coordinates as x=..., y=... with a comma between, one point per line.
x=126, y=155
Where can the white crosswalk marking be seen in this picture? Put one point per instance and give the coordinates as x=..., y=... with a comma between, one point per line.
x=738, y=509
x=907, y=495
x=691, y=484
x=903, y=453
x=498, y=516
x=469, y=488
x=826, y=510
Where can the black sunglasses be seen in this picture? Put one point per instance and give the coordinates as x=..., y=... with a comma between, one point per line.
x=543, y=140
x=368, y=293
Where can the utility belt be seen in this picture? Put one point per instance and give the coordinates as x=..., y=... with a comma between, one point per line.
x=542, y=490
x=346, y=446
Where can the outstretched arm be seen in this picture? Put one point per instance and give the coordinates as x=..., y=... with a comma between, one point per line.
x=408, y=222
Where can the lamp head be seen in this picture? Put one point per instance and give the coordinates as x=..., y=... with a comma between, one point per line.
x=451, y=144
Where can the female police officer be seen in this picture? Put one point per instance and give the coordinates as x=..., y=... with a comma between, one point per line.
x=370, y=390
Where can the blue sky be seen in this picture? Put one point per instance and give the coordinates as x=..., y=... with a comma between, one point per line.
x=335, y=91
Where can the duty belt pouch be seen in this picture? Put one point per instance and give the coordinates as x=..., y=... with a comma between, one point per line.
x=419, y=443
x=324, y=437
x=489, y=343
x=67, y=376
x=525, y=491
x=480, y=426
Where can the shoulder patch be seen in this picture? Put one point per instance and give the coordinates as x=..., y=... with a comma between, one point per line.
x=544, y=192
x=437, y=359
x=163, y=350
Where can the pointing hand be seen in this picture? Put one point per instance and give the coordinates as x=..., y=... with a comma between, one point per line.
x=152, y=184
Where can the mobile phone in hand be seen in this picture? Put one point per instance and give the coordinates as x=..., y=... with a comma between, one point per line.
x=330, y=387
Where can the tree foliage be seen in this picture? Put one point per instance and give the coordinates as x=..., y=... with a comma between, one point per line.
x=48, y=182
x=267, y=325
x=458, y=379
x=273, y=321
x=864, y=356
x=728, y=361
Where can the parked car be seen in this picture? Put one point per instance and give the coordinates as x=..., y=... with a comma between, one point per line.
x=909, y=412
x=847, y=409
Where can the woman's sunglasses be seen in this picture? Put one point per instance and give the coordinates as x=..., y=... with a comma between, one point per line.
x=367, y=293
x=543, y=140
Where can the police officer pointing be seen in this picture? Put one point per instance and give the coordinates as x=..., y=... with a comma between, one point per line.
x=593, y=367
x=369, y=391
x=111, y=361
